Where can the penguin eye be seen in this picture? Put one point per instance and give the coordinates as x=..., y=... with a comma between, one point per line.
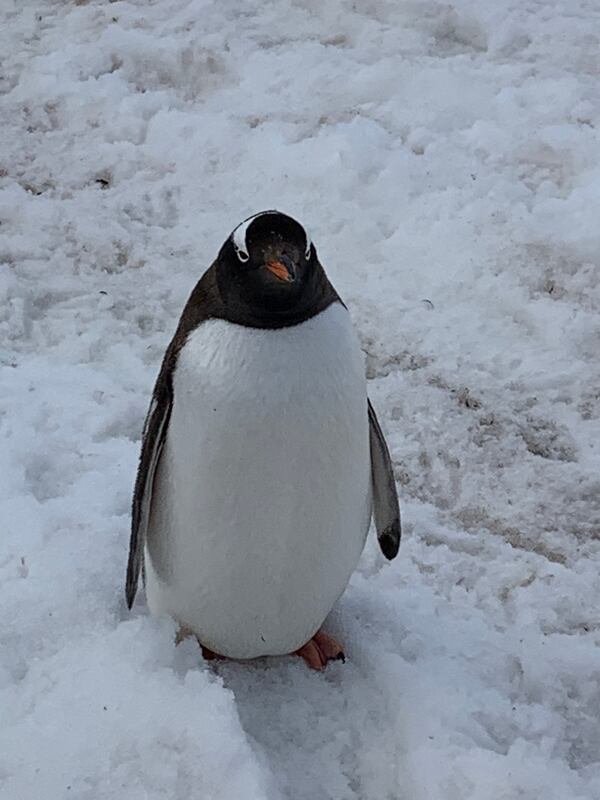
x=242, y=255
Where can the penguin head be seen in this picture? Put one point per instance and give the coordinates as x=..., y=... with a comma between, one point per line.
x=267, y=263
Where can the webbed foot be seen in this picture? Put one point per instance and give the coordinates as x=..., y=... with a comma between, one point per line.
x=321, y=649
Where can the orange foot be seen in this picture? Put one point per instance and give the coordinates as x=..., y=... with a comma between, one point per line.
x=321, y=649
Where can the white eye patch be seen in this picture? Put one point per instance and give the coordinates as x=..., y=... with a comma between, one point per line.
x=238, y=237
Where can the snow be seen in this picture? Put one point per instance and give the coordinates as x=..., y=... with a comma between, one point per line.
x=445, y=158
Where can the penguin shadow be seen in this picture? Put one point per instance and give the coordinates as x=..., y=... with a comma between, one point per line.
x=323, y=734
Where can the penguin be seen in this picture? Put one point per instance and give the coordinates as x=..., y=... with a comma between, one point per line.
x=262, y=460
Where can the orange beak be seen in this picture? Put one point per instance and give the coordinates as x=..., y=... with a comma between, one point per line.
x=281, y=271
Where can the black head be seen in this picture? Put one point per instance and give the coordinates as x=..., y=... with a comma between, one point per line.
x=268, y=272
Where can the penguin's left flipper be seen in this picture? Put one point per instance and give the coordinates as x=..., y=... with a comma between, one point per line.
x=153, y=439
x=386, y=509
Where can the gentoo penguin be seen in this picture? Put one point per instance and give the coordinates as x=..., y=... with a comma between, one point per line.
x=262, y=458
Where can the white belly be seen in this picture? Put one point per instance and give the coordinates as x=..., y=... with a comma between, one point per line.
x=262, y=499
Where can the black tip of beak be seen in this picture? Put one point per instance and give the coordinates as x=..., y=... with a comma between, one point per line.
x=289, y=265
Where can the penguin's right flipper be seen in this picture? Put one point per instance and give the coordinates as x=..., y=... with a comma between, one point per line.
x=386, y=509
x=153, y=439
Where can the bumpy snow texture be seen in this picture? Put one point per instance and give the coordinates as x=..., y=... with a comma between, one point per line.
x=445, y=158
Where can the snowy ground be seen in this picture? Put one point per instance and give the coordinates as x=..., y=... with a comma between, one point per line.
x=445, y=157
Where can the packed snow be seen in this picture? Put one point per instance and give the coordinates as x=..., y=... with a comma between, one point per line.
x=445, y=157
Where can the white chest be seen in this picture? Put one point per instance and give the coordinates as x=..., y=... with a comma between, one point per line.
x=263, y=498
